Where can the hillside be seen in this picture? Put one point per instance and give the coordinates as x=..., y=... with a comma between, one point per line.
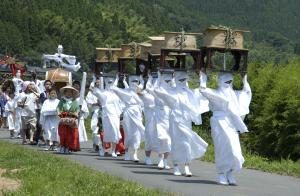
x=30, y=28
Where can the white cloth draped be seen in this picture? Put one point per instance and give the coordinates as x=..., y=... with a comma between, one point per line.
x=49, y=119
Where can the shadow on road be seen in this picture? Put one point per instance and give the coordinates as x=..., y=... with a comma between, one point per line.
x=194, y=181
x=140, y=166
x=152, y=172
x=108, y=158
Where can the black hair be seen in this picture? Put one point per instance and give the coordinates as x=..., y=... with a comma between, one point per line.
x=48, y=81
x=75, y=82
x=53, y=89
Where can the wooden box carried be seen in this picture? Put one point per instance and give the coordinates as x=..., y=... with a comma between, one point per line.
x=223, y=37
x=181, y=40
x=108, y=55
x=131, y=50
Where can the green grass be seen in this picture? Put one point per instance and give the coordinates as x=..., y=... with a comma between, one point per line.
x=87, y=124
x=253, y=161
x=47, y=174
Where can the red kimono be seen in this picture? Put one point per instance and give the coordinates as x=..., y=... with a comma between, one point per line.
x=68, y=126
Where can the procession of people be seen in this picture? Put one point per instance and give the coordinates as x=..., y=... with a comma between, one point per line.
x=158, y=111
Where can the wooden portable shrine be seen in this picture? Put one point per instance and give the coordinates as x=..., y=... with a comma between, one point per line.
x=223, y=39
x=179, y=45
x=106, y=57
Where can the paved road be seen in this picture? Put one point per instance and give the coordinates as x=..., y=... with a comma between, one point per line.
x=250, y=182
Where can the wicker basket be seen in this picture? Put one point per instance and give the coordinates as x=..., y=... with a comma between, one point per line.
x=216, y=37
x=177, y=40
x=131, y=50
x=103, y=55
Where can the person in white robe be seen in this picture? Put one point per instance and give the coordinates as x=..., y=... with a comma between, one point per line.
x=18, y=82
x=186, y=144
x=151, y=140
x=229, y=108
x=18, y=88
x=162, y=116
x=84, y=113
x=111, y=111
x=132, y=116
x=49, y=120
x=94, y=105
x=10, y=108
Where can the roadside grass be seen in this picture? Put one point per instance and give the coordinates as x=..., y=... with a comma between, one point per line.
x=87, y=124
x=252, y=161
x=46, y=174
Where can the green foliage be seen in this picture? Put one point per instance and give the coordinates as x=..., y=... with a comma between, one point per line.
x=275, y=109
x=46, y=174
x=39, y=26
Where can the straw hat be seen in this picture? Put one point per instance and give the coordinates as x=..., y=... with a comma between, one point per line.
x=63, y=89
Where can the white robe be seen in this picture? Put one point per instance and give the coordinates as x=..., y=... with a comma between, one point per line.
x=229, y=108
x=18, y=84
x=132, y=117
x=162, y=117
x=49, y=119
x=83, y=115
x=10, y=107
x=90, y=100
x=186, y=144
x=151, y=139
x=111, y=111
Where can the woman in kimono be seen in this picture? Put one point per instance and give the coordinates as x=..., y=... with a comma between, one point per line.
x=186, y=144
x=84, y=113
x=49, y=120
x=229, y=108
x=132, y=116
x=111, y=111
x=68, y=110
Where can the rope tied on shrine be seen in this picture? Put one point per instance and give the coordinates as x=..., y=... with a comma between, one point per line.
x=229, y=40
